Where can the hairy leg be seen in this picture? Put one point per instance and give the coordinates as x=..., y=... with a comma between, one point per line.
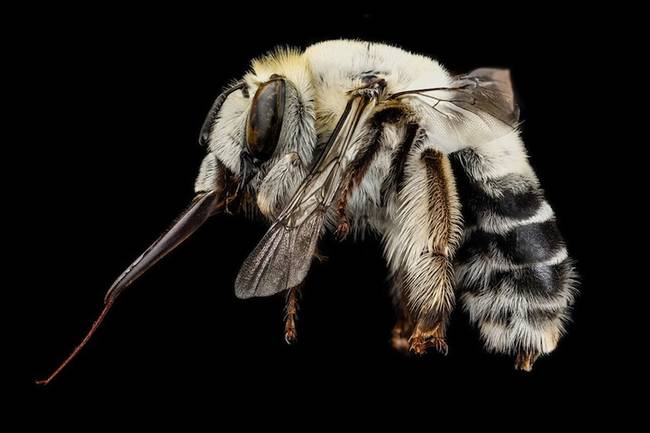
x=422, y=245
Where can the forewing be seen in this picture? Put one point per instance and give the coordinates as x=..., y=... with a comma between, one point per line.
x=282, y=258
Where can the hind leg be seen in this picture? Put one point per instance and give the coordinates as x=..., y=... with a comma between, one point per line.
x=421, y=244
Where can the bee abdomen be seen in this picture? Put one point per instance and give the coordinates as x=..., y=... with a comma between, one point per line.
x=513, y=270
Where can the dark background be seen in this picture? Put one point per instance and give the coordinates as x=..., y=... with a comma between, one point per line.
x=112, y=110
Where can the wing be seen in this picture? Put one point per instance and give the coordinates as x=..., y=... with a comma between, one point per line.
x=491, y=92
x=484, y=90
x=282, y=258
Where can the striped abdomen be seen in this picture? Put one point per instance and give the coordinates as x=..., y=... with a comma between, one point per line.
x=513, y=271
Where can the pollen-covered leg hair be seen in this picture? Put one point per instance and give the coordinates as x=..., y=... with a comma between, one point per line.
x=515, y=277
x=422, y=243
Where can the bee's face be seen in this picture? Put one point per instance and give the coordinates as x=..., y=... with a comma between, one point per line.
x=265, y=131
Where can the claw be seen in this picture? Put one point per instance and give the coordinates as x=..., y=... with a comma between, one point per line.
x=525, y=360
x=421, y=341
x=420, y=345
x=290, y=334
x=343, y=229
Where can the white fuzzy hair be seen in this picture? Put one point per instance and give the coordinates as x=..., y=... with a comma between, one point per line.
x=319, y=81
x=334, y=65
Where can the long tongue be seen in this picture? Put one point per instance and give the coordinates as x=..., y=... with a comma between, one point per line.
x=203, y=206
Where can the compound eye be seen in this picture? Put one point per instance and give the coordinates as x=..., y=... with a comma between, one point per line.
x=265, y=118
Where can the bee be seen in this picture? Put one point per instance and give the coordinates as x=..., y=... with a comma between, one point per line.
x=351, y=137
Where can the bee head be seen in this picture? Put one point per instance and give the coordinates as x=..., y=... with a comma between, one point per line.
x=263, y=130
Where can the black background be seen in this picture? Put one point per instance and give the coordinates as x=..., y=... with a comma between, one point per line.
x=112, y=111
